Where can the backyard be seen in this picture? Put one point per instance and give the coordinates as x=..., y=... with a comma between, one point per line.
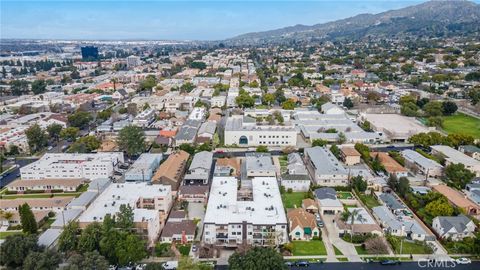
x=307, y=248
x=462, y=123
x=344, y=195
x=290, y=200
x=369, y=200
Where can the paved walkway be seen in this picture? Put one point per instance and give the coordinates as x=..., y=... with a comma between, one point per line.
x=346, y=248
x=328, y=246
x=197, y=210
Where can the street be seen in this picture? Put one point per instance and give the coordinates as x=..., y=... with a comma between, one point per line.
x=8, y=178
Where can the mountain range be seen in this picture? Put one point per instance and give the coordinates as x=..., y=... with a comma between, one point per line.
x=432, y=19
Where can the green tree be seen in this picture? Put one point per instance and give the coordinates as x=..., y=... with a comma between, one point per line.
x=39, y=86
x=125, y=217
x=54, y=131
x=46, y=260
x=19, y=87
x=85, y=145
x=439, y=207
x=358, y=183
x=105, y=114
x=433, y=108
x=130, y=249
x=289, y=104
x=409, y=109
x=69, y=133
x=131, y=139
x=262, y=149
x=16, y=248
x=68, y=240
x=244, y=100
x=90, y=237
x=348, y=103
x=319, y=142
x=257, y=258
x=187, y=148
x=109, y=243
x=268, y=99
x=27, y=219
x=36, y=137
x=403, y=186
x=198, y=64
x=148, y=83
x=435, y=121
x=449, y=107
x=204, y=147
x=458, y=176
x=80, y=119
x=366, y=126
x=88, y=260
x=187, y=87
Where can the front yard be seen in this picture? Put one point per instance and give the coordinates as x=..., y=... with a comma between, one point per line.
x=307, y=248
x=290, y=200
x=409, y=247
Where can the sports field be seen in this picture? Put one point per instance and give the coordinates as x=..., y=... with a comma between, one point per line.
x=462, y=123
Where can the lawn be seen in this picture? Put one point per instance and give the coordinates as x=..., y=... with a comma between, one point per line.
x=307, y=248
x=337, y=251
x=408, y=246
x=369, y=200
x=344, y=195
x=462, y=123
x=290, y=200
x=360, y=250
x=184, y=249
x=3, y=235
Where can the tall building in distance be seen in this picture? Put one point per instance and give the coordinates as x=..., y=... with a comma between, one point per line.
x=89, y=53
x=133, y=61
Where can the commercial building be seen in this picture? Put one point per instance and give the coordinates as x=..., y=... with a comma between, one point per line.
x=252, y=214
x=72, y=166
x=397, y=128
x=142, y=169
x=324, y=167
x=453, y=156
x=420, y=164
x=150, y=203
x=244, y=131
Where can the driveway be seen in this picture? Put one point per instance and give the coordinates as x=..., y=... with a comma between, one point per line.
x=346, y=248
x=197, y=211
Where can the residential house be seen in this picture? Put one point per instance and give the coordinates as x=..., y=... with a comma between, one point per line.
x=199, y=171
x=454, y=228
x=327, y=201
x=349, y=155
x=302, y=225
x=181, y=232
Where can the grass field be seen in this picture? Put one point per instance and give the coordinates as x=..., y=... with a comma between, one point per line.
x=306, y=248
x=3, y=235
x=290, y=200
x=462, y=123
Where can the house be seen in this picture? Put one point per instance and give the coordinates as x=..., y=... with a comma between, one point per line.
x=327, y=201
x=453, y=156
x=171, y=170
x=227, y=167
x=302, y=225
x=394, y=204
x=457, y=199
x=258, y=165
x=178, y=231
x=470, y=150
x=454, y=228
x=361, y=224
x=177, y=215
x=142, y=169
x=420, y=164
x=199, y=171
x=310, y=205
x=206, y=132
x=330, y=108
x=391, y=165
x=45, y=185
x=324, y=167
x=246, y=213
x=349, y=155
x=296, y=178
x=193, y=193
x=401, y=225
x=187, y=132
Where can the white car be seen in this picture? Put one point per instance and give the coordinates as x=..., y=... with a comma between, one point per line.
x=170, y=265
x=463, y=261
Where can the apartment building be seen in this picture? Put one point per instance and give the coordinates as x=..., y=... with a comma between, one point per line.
x=171, y=170
x=453, y=156
x=72, y=166
x=142, y=169
x=422, y=165
x=252, y=214
x=144, y=119
x=324, y=167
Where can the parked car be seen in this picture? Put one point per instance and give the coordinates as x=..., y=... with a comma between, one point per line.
x=289, y=263
x=170, y=265
x=302, y=263
x=194, y=248
x=463, y=261
x=390, y=262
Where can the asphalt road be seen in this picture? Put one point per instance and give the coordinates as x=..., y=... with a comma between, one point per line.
x=378, y=266
x=7, y=179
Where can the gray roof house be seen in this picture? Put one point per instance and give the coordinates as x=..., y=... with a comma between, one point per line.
x=454, y=228
x=324, y=167
x=328, y=201
x=391, y=202
x=188, y=132
x=296, y=177
x=199, y=170
x=258, y=164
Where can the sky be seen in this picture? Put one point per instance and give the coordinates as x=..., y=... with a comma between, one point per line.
x=172, y=20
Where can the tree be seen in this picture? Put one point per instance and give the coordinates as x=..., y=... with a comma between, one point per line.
x=319, y=142
x=89, y=260
x=147, y=84
x=204, y=147
x=131, y=139
x=474, y=95
x=403, y=186
x=335, y=150
x=19, y=87
x=27, y=219
x=348, y=103
x=16, y=248
x=473, y=76
x=125, y=217
x=358, y=183
x=85, y=145
x=105, y=114
x=39, y=86
x=68, y=239
x=268, y=98
x=257, y=258
x=376, y=245
x=79, y=119
x=449, y=107
x=54, y=130
x=409, y=109
x=262, y=149
x=244, y=100
x=458, y=176
x=130, y=249
x=433, y=108
x=435, y=121
x=341, y=138
x=36, y=138
x=187, y=148
x=46, y=260
x=69, y=133
x=439, y=207
x=198, y=64
x=109, y=243
x=90, y=237
x=366, y=126
x=187, y=87
x=289, y=104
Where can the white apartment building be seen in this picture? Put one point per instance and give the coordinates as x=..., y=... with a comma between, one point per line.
x=151, y=205
x=252, y=214
x=453, y=156
x=72, y=166
x=420, y=164
x=218, y=101
x=144, y=119
x=324, y=167
x=133, y=61
x=245, y=132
